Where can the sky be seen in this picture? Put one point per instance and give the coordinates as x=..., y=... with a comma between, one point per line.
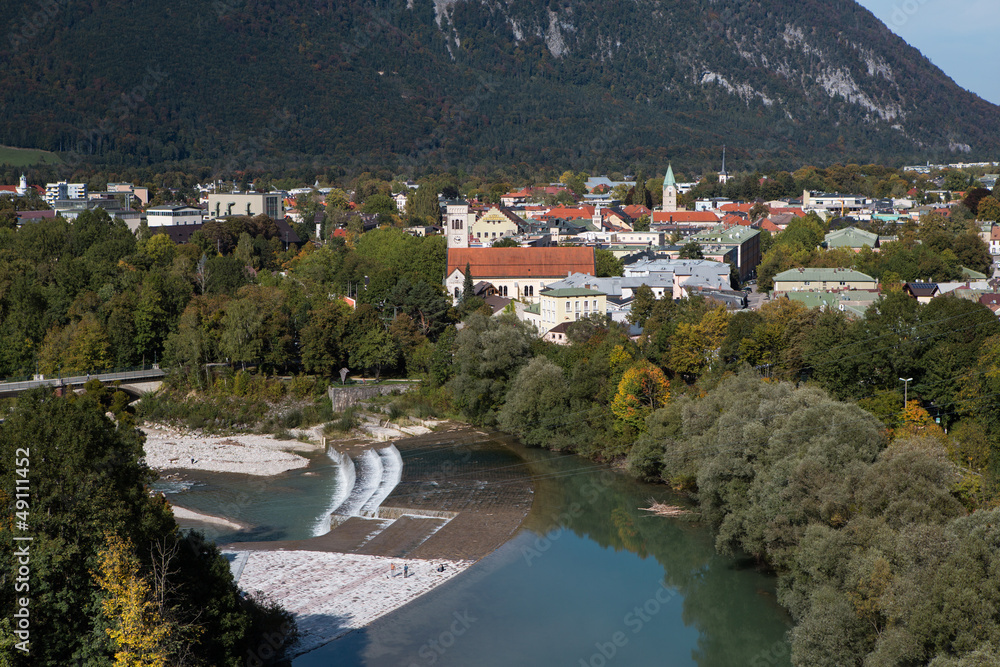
x=956, y=35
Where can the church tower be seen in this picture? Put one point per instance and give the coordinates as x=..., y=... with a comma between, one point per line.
x=457, y=224
x=723, y=175
x=669, y=191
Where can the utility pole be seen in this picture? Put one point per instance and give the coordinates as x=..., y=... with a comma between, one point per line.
x=906, y=385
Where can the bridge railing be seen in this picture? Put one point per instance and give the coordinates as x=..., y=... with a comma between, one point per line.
x=92, y=374
x=125, y=374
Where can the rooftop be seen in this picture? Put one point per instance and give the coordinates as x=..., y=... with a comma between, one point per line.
x=571, y=292
x=812, y=274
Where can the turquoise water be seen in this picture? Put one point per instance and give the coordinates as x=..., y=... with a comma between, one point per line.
x=283, y=507
x=589, y=580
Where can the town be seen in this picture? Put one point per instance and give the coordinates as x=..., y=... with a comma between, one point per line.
x=554, y=253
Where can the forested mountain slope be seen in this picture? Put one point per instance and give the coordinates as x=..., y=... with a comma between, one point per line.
x=581, y=83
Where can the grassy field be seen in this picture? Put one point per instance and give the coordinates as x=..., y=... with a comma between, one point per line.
x=26, y=157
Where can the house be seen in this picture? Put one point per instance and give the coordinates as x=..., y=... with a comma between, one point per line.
x=246, y=203
x=681, y=274
x=167, y=215
x=496, y=223
x=595, y=182
x=852, y=302
x=836, y=203
x=514, y=198
x=922, y=292
x=64, y=190
x=813, y=280
x=995, y=240
x=614, y=218
x=696, y=218
x=400, y=199
x=991, y=301
x=635, y=211
x=34, y=216
x=559, y=306
x=517, y=273
x=139, y=192
x=779, y=221
x=558, y=333
x=715, y=204
x=744, y=240
x=853, y=238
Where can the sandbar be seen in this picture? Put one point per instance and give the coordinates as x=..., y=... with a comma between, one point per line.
x=332, y=594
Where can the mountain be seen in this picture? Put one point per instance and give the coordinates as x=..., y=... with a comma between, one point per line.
x=408, y=83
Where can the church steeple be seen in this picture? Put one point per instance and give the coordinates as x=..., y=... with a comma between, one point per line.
x=669, y=190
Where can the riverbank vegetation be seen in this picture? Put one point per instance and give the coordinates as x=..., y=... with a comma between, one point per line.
x=787, y=428
x=112, y=579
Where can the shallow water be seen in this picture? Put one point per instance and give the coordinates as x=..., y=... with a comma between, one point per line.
x=283, y=507
x=589, y=579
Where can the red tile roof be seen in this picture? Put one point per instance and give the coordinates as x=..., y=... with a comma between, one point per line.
x=635, y=211
x=577, y=213
x=794, y=210
x=485, y=263
x=769, y=226
x=683, y=216
x=732, y=219
x=733, y=208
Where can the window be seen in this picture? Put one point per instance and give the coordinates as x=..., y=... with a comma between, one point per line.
x=456, y=292
x=567, y=306
x=578, y=306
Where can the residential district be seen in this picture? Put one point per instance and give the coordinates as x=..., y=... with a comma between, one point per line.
x=536, y=252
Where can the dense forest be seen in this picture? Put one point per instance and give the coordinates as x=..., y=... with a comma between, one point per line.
x=411, y=83
x=110, y=577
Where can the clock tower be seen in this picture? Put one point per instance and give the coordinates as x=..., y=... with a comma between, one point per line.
x=456, y=223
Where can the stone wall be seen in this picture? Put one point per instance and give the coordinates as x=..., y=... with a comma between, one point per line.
x=346, y=397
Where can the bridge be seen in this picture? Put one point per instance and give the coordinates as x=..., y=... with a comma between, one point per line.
x=134, y=382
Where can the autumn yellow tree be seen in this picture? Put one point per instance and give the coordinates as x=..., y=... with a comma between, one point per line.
x=917, y=421
x=643, y=388
x=136, y=627
x=693, y=346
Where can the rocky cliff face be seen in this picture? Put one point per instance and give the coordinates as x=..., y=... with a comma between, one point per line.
x=581, y=83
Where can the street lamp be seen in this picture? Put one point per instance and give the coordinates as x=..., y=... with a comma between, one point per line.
x=906, y=384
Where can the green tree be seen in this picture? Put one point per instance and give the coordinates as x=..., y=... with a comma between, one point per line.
x=642, y=305
x=323, y=339
x=537, y=405
x=691, y=250
x=241, y=336
x=606, y=264
x=336, y=200
x=640, y=197
x=989, y=209
x=468, y=286
x=642, y=223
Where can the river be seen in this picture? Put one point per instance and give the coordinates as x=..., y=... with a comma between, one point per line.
x=588, y=579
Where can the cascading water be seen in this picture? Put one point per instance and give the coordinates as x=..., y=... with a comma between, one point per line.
x=369, y=477
x=345, y=477
x=392, y=472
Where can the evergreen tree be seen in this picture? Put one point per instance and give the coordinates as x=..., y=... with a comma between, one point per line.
x=467, y=284
x=640, y=196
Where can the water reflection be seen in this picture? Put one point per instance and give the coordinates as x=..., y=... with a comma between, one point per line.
x=589, y=580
